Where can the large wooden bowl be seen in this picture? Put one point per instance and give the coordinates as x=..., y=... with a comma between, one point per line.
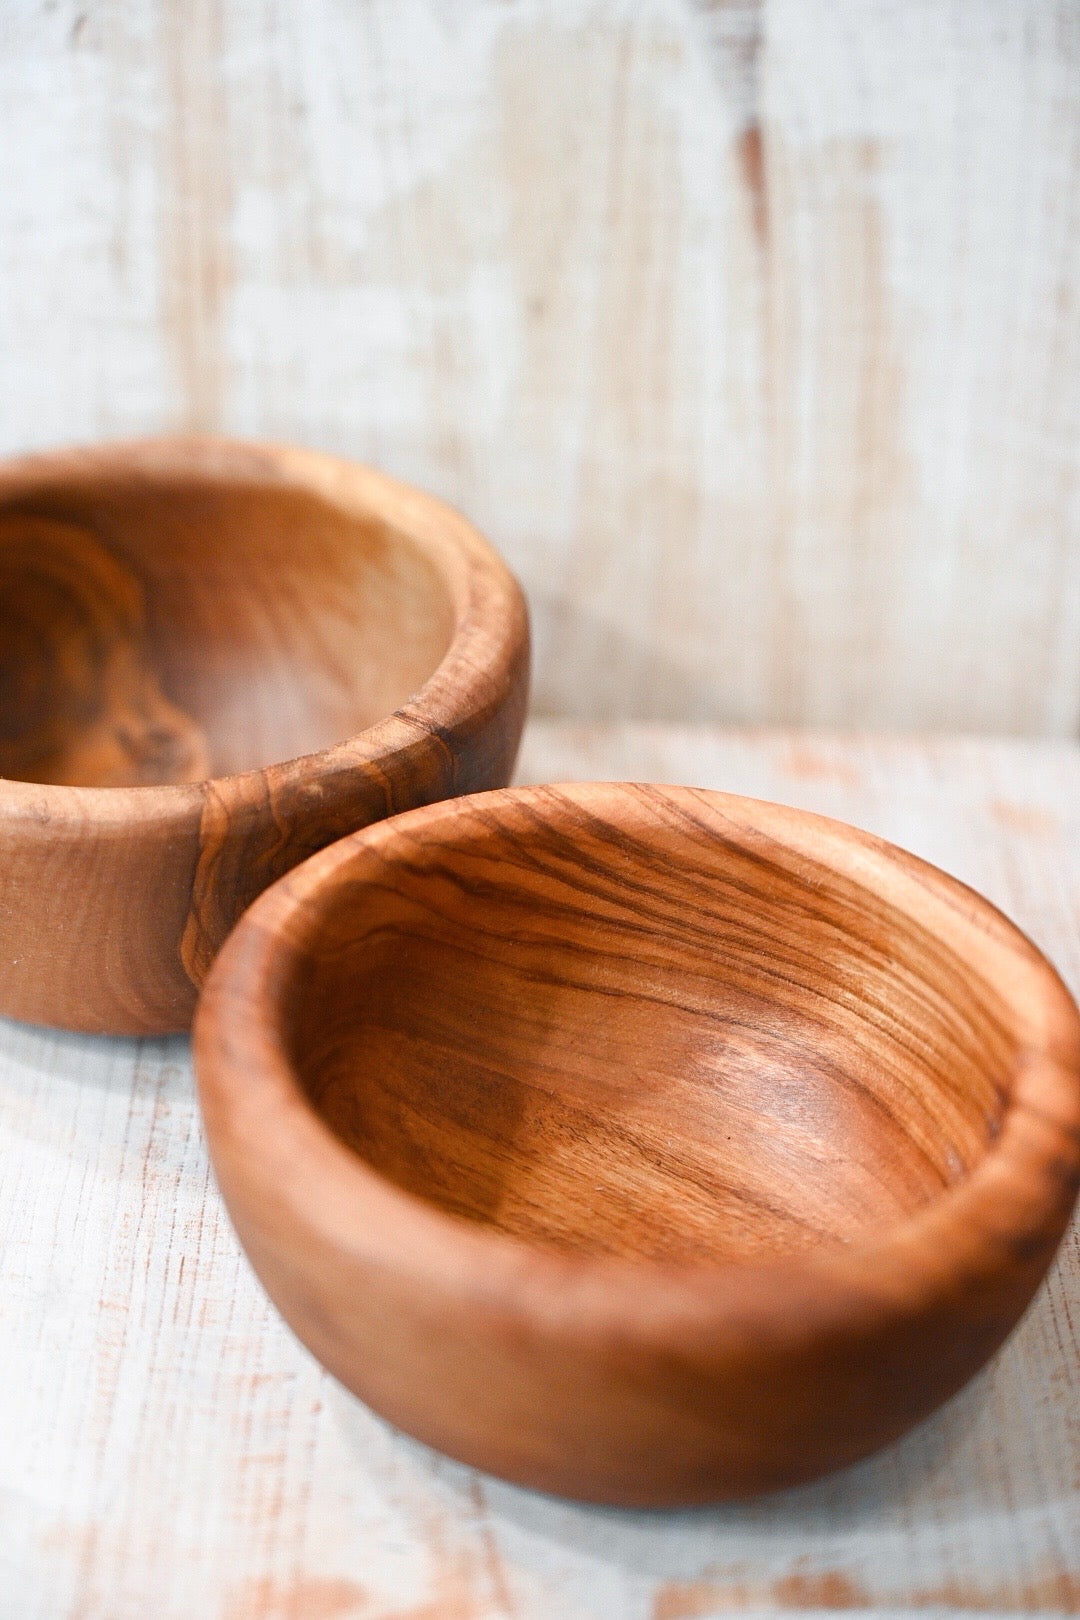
x=642, y=1144
x=215, y=659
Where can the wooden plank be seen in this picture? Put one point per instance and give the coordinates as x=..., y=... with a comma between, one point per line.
x=750, y=332
x=167, y=1449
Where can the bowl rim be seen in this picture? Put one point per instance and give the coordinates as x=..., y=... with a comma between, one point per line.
x=488, y=611
x=1008, y=1211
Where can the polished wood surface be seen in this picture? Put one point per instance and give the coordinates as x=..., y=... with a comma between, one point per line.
x=216, y=658
x=646, y=1145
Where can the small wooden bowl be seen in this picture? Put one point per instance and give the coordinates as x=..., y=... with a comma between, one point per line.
x=642, y=1144
x=216, y=658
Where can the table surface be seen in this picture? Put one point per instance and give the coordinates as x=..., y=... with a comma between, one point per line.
x=169, y=1452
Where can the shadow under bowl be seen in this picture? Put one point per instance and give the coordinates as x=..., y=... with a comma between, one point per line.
x=643, y=1144
x=216, y=658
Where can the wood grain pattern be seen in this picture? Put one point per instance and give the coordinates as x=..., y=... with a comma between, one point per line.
x=80, y=702
x=215, y=659
x=645, y=1145
x=748, y=332
x=169, y=1449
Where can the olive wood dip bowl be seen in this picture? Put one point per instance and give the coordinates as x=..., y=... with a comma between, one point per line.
x=642, y=1144
x=216, y=658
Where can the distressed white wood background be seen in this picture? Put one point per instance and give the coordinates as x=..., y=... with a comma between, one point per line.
x=169, y=1452
x=749, y=329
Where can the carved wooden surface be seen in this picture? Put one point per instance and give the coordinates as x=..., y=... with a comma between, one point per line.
x=750, y=332
x=640, y=1144
x=167, y=1449
x=337, y=647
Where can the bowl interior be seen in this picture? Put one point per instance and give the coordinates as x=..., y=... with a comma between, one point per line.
x=636, y=1032
x=172, y=629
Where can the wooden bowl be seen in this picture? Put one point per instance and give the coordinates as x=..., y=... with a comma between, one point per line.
x=642, y=1144
x=216, y=658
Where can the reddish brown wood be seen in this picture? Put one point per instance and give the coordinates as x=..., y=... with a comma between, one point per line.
x=648, y=1145
x=216, y=658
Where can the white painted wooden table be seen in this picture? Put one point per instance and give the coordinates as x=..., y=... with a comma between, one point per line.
x=168, y=1452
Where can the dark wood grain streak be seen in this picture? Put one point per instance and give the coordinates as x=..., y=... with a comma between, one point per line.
x=215, y=659
x=643, y=1144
